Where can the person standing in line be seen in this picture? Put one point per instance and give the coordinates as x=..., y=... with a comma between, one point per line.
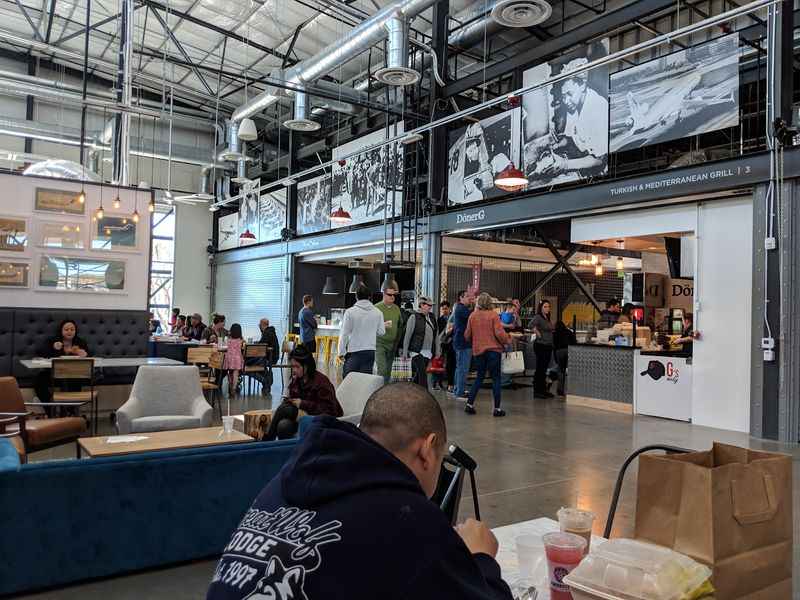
x=543, y=348
x=361, y=326
x=446, y=344
x=386, y=346
x=563, y=336
x=462, y=348
x=308, y=324
x=489, y=339
x=421, y=341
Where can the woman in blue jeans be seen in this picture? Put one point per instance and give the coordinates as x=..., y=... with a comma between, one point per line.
x=489, y=339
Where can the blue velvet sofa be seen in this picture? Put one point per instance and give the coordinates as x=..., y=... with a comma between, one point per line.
x=70, y=520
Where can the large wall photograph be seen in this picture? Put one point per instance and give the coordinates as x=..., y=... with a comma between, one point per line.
x=271, y=215
x=679, y=95
x=363, y=186
x=566, y=124
x=314, y=205
x=477, y=153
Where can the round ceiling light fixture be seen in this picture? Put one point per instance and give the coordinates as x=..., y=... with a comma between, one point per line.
x=304, y=125
x=521, y=13
x=397, y=76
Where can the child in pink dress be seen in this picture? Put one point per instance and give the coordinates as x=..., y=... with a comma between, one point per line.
x=234, y=358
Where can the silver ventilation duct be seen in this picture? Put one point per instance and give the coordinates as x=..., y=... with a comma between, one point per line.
x=232, y=152
x=396, y=71
x=301, y=122
x=63, y=169
x=357, y=40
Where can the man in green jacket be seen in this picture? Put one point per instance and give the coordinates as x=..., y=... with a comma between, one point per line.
x=386, y=347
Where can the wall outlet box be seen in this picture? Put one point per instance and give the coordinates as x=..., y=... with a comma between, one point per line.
x=768, y=343
x=769, y=355
x=770, y=243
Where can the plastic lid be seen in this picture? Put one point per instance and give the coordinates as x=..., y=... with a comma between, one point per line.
x=563, y=541
x=633, y=570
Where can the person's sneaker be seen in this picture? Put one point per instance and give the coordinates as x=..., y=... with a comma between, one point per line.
x=461, y=398
x=469, y=409
x=548, y=395
x=540, y=396
x=498, y=412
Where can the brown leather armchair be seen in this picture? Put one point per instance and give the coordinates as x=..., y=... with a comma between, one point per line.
x=35, y=434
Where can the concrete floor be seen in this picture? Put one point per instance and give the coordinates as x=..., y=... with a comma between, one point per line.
x=542, y=456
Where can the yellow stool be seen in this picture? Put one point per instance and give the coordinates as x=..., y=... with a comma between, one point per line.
x=319, y=341
x=333, y=347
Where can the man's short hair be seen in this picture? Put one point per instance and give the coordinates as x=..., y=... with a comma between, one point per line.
x=363, y=293
x=444, y=303
x=400, y=413
x=307, y=298
x=219, y=319
x=612, y=302
x=461, y=294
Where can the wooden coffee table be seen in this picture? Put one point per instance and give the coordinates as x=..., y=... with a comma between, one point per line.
x=159, y=440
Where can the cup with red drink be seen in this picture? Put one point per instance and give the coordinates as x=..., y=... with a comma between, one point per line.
x=564, y=552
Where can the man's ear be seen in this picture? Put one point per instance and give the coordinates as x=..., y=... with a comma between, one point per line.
x=428, y=451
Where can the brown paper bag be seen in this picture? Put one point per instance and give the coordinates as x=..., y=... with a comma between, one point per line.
x=729, y=508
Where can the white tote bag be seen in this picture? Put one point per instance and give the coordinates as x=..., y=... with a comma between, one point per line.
x=513, y=363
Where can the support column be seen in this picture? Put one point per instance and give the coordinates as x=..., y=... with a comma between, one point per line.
x=29, y=104
x=437, y=148
x=122, y=141
x=431, y=266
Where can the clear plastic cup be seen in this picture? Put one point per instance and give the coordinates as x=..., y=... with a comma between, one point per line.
x=577, y=521
x=530, y=554
x=227, y=424
x=564, y=552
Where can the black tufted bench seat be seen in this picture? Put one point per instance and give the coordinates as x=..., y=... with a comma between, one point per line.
x=109, y=333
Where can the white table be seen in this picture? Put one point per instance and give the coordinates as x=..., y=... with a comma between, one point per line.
x=107, y=363
x=507, y=552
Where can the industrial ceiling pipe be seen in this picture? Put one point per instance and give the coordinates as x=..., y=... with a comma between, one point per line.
x=396, y=71
x=300, y=121
x=356, y=41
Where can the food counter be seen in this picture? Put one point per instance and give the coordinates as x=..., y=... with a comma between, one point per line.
x=630, y=380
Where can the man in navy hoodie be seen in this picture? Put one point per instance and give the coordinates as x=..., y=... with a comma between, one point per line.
x=349, y=517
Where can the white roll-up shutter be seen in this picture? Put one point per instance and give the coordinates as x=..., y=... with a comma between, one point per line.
x=247, y=291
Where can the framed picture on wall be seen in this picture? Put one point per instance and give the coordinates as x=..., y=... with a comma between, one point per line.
x=64, y=202
x=14, y=274
x=70, y=236
x=72, y=274
x=114, y=233
x=13, y=235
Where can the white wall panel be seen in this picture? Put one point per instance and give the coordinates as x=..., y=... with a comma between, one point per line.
x=192, y=282
x=18, y=200
x=723, y=289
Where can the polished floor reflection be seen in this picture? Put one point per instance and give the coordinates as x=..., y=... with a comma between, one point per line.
x=542, y=456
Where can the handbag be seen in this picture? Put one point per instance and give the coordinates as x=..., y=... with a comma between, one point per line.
x=436, y=365
x=401, y=369
x=513, y=363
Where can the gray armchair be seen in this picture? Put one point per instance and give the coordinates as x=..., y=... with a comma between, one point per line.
x=164, y=399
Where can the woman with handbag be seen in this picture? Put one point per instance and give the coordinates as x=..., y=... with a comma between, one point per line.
x=489, y=339
x=543, y=348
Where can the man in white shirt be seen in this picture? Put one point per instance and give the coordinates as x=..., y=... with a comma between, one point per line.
x=361, y=326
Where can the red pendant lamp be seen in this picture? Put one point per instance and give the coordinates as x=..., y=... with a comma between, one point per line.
x=511, y=179
x=341, y=217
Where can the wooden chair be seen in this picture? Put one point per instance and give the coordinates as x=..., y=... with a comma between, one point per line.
x=208, y=360
x=77, y=371
x=29, y=434
x=258, y=354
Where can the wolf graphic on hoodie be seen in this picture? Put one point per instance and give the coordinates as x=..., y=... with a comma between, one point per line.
x=345, y=519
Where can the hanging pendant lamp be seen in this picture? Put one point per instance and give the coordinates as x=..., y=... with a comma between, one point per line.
x=247, y=130
x=330, y=289
x=389, y=283
x=511, y=179
x=341, y=217
x=356, y=283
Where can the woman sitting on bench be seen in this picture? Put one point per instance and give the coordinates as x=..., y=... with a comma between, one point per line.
x=309, y=391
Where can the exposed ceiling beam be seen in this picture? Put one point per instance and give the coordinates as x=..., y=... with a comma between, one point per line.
x=210, y=26
x=27, y=16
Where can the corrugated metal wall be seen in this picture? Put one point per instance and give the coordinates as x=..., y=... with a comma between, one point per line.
x=247, y=291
